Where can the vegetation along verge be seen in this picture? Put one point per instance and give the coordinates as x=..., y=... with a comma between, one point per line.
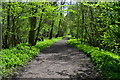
x=16, y=57
x=107, y=62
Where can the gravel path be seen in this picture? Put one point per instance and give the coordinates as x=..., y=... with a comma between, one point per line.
x=61, y=61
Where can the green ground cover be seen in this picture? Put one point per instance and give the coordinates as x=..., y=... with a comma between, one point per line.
x=107, y=62
x=16, y=57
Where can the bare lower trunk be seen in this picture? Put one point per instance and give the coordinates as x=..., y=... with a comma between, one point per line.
x=32, y=31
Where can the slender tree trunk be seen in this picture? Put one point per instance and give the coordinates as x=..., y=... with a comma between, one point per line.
x=78, y=21
x=38, y=30
x=52, y=25
x=13, y=40
x=0, y=35
x=51, y=31
x=32, y=31
x=33, y=21
x=7, y=41
x=58, y=33
x=40, y=24
x=119, y=13
x=82, y=10
x=90, y=28
x=0, y=30
x=91, y=24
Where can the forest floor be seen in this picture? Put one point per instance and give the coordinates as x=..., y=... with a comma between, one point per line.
x=61, y=61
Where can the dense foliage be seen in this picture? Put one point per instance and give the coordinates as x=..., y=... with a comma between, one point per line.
x=14, y=58
x=30, y=21
x=96, y=23
x=93, y=23
x=106, y=61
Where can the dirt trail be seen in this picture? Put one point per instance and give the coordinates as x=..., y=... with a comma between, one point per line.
x=60, y=61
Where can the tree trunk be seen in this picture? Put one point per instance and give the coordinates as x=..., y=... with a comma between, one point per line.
x=0, y=35
x=51, y=31
x=33, y=21
x=93, y=27
x=119, y=14
x=7, y=41
x=58, y=33
x=40, y=24
x=13, y=40
x=82, y=26
x=32, y=31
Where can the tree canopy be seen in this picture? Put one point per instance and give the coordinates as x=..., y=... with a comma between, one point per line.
x=94, y=23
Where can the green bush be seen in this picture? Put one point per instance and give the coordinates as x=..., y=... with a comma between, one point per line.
x=11, y=59
x=108, y=62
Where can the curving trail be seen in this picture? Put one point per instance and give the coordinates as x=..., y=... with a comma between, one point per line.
x=61, y=61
